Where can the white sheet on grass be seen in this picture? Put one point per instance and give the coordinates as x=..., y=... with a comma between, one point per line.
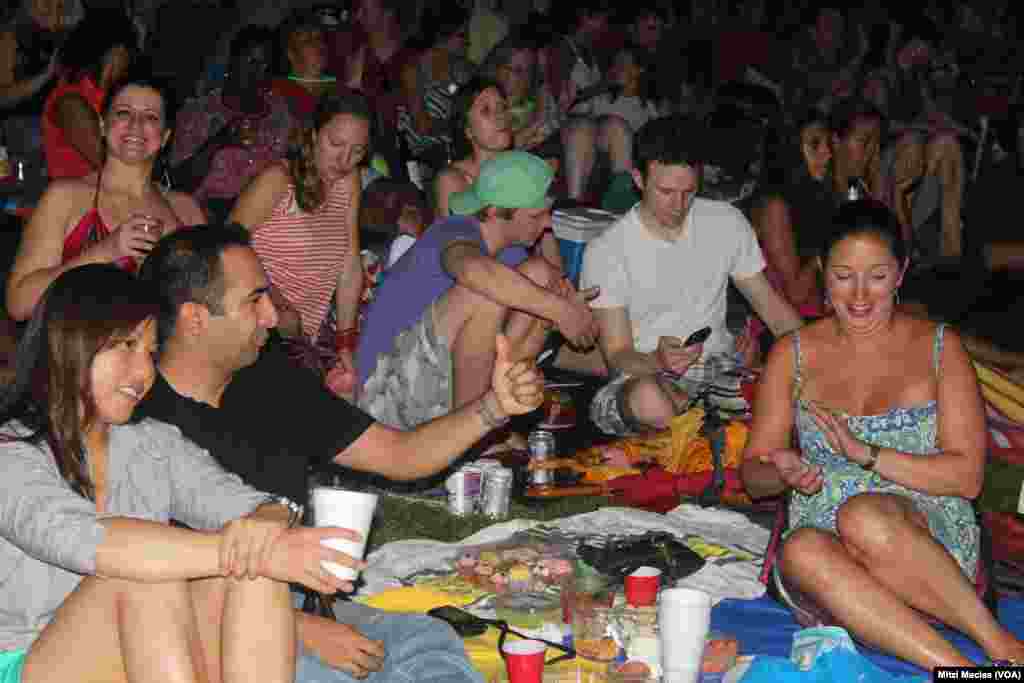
x=730, y=575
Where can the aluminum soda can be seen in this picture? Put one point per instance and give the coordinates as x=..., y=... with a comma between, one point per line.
x=464, y=488
x=542, y=447
x=497, y=492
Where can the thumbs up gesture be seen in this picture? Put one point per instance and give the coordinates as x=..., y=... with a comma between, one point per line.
x=518, y=385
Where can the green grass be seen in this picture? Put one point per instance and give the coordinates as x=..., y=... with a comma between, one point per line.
x=400, y=518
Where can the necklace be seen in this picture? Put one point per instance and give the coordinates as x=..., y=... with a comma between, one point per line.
x=319, y=79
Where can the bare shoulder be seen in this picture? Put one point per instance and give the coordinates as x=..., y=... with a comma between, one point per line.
x=454, y=178
x=271, y=183
x=919, y=333
x=71, y=195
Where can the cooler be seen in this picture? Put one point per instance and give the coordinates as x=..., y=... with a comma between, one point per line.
x=573, y=229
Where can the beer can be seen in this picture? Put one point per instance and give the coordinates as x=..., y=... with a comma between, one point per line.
x=497, y=492
x=464, y=488
x=542, y=447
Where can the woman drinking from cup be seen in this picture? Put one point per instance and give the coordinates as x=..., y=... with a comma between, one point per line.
x=112, y=216
x=882, y=535
x=98, y=586
x=479, y=131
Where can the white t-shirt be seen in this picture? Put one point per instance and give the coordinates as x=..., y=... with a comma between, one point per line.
x=674, y=288
x=633, y=109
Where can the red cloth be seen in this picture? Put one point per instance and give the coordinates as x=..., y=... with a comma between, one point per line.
x=736, y=50
x=63, y=160
x=659, y=491
x=381, y=80
x=91, y=226
x=301, y=102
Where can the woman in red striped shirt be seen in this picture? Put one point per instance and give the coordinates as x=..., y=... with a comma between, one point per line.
x=303, y=215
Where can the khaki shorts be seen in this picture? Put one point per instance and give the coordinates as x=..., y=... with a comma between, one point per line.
x=412, y=382
x=712, y=375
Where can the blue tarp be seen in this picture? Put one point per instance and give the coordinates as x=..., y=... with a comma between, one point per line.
x=764, y=627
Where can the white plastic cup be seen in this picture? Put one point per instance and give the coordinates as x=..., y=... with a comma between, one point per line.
x=348, y=510
x=684, y=616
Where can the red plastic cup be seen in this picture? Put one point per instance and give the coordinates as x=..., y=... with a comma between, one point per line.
x=642, y=586
x=524, y=660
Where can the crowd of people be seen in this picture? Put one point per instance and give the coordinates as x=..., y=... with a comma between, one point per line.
x=201, y=327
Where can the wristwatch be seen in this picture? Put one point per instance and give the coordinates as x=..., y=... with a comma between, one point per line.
x=872, y=457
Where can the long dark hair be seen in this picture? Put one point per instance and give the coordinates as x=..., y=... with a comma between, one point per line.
x=462, y=104
x=82, y=312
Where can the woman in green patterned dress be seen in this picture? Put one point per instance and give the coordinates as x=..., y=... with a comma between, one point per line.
x=882, y=535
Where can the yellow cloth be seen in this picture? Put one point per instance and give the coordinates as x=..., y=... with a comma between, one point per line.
x=482, y=650
x=419, y=599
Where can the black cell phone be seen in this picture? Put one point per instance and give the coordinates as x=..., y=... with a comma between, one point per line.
x=698, y=337
x=465, y=623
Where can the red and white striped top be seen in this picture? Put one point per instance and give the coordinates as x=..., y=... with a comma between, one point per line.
x=304, y=252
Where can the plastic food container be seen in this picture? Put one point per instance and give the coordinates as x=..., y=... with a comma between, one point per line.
x=528, y=610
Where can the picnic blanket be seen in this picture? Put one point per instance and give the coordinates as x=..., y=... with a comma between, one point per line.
x=731, y=544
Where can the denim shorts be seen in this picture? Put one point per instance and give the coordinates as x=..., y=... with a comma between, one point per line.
x=11, y=664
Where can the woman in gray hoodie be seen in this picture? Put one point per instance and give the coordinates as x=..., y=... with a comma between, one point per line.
x=95, y=584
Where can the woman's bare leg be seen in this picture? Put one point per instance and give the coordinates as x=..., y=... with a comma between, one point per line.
x=908, y=167
x=887, y=535
x=819, y=565
x=258, y=639
x=579, y=140
x=944, y=158
x=615, y=136
x=112, y=631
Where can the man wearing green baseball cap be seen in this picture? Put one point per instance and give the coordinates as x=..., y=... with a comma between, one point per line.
x=428, y=341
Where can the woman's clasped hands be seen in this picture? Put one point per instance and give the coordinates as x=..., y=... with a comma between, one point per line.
x=838, y=434
x=252, y=547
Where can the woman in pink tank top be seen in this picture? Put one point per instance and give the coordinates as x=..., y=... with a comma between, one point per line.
x=303, y=216
x=112, y=216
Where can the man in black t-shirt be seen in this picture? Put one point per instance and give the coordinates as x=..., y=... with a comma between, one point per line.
x=267, y=421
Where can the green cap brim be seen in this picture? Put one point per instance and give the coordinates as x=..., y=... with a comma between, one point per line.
x=464, y=203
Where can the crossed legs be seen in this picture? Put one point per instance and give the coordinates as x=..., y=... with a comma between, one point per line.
x=113, y=631
x=881, y=572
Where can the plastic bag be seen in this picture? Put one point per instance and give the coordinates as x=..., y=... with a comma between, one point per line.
x=835, y=666
x=822, y=655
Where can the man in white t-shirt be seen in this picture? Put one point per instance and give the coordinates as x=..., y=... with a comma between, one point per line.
x=663, y=270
